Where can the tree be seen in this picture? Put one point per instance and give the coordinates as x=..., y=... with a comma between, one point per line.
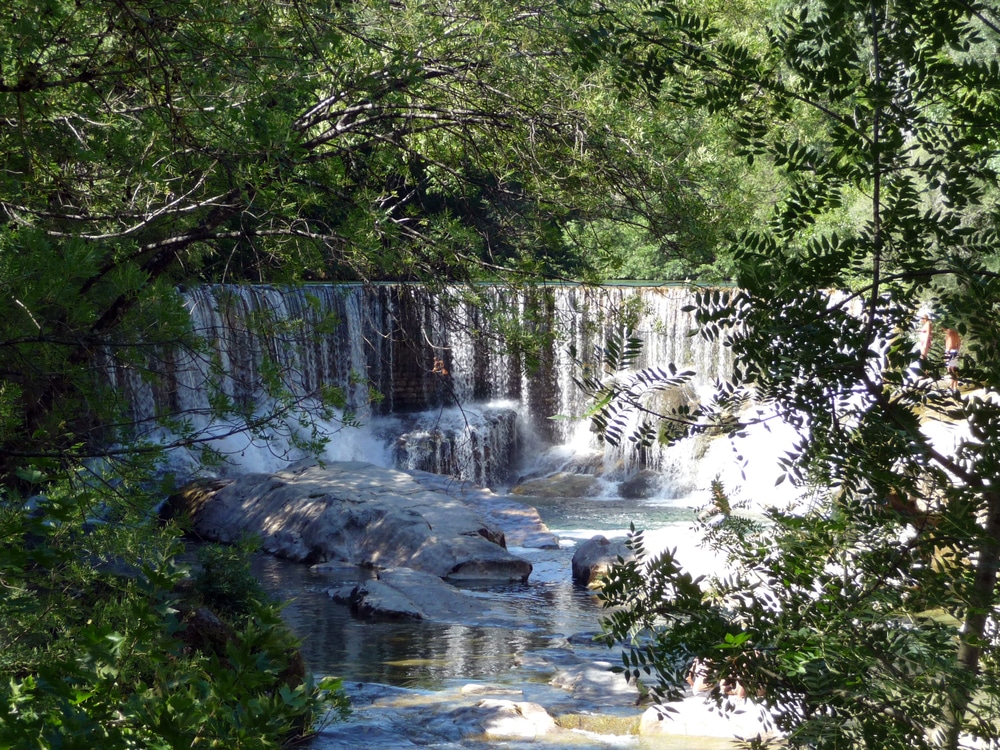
x=868, y=616
x=149, y=144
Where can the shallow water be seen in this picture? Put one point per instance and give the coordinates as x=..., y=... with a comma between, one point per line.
x=406, y=672
x=421, y=654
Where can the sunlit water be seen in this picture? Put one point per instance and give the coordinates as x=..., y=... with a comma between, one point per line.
x=404, y=676
x=426, y=655
x=544, y=624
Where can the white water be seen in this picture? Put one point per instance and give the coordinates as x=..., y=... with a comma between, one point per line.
x=500, y=410
x=479, y=422
x=453, y=399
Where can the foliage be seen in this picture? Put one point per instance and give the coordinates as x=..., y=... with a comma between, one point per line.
x=100, y=647
x=868, y=615
x=152, y=144
x=225, y=582
x=697, y=187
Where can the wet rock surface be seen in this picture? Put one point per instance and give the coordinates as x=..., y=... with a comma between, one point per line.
x=402, y=593
x=595, y=557
x=364, y=515
x=562, y=484
x=521, y=669
x=483, y=714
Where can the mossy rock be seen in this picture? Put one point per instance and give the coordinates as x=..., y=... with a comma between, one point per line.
x=189, y=499
x=600, y=723
x=560, y=485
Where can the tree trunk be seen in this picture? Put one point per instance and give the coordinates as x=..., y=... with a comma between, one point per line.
x=981, y=600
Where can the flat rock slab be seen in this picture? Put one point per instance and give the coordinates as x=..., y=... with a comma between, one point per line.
x=407, y=594
x=359, y=514
x=522, y=525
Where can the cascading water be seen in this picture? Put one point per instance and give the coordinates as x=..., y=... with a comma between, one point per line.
x=434, y=379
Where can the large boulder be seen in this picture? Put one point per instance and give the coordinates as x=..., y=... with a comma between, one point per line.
x=354, y=513
x=595, y=557
x=562, y=484
x=406, y=594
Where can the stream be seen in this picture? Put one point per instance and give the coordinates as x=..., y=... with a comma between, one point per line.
x=438, y=389
x=406, y=679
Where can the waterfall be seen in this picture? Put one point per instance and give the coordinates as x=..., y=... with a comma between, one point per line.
x=464, y=382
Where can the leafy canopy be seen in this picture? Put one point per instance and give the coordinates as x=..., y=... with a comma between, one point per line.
x=866, y=617
x=151, y=144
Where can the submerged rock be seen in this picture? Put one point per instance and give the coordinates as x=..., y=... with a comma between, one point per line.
x=383, y=719
x=596, y=681
x=355, y=513
x=562, y=484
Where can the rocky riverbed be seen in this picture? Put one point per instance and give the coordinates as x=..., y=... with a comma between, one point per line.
x=418, y=574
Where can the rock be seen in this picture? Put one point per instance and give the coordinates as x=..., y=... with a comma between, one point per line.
x=595, y=681
x=640, y=486
x=595, y=557
x=547, y=661
x=480, y=689
x=401, y=593
x=560, y=485
x=385, y=717
x=203, y=631
x=698, y=717
x=376, y=601
x=583, y=639
x=671, y=400
x=661, y=720
x=504, y=719
x=356, y=513
x=601, y=723
x=192, y=497
x=522, y=525
x=368, y=737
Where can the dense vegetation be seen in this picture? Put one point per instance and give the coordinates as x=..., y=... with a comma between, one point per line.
x=149, y=144
x=867, y=616
x=791, y=147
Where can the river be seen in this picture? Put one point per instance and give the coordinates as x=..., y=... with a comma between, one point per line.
x=407, y=678
x=439, y=389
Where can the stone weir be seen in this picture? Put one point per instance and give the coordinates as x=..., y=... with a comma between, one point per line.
x=504, y=362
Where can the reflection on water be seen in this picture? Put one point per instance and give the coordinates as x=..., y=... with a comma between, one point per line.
x=547, y=609
x=423, y=654
x=536, y=630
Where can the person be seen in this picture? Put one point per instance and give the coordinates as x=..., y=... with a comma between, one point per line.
x=926, y=335
x=952, y=342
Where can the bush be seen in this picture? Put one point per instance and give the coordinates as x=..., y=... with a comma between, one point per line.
x=224, y=581
x=99, y=648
